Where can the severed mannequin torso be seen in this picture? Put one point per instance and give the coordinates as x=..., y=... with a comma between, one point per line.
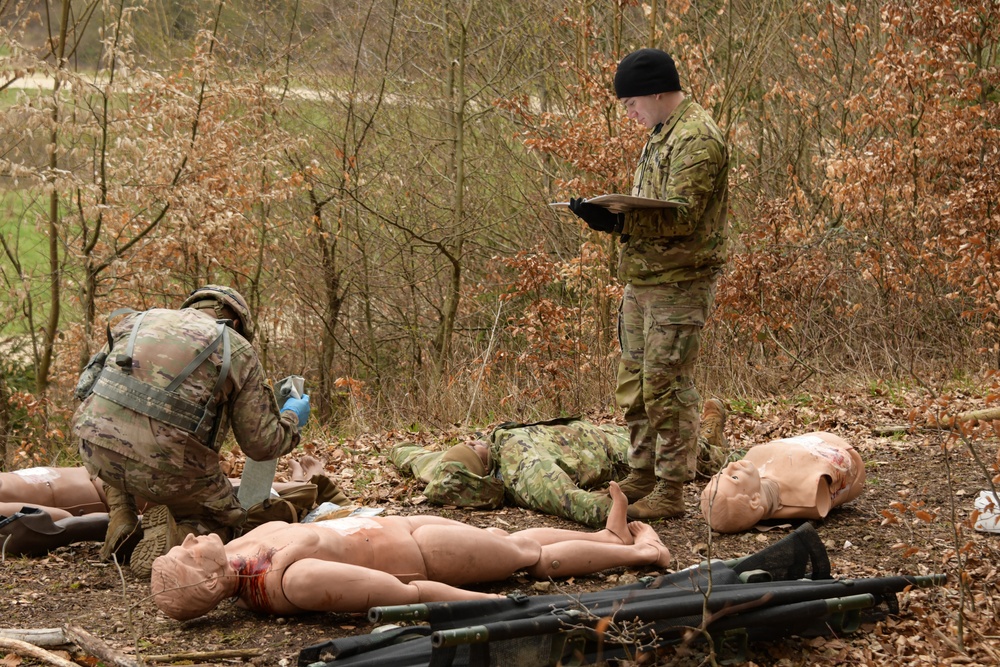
x=60, y=492
x=48, y=507
x=352, y=564
x=801, y=477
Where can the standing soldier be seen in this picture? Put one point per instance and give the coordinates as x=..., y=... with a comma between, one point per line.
x=671, y=259
x=158, y=401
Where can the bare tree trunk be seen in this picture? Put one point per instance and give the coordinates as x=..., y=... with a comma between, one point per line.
x=457, y=94
x=6, y=452
x=446, y=330
x=55, y=280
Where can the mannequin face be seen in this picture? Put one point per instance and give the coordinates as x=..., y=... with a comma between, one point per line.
x=474, y=455
x=483, y=450
x=739, y=477
x=732, y=499
x=200, y=550
x=188, y=581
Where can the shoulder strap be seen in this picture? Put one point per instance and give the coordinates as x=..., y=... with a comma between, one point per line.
x=222, y=337
x=113, y=315
x=124, y=361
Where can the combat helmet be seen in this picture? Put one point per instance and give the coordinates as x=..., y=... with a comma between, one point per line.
x=227, y=296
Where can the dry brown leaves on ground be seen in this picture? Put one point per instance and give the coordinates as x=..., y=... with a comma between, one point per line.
x=902, y=524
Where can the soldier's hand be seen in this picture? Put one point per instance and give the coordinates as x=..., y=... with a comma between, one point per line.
x=597, y=217
x=300, y=406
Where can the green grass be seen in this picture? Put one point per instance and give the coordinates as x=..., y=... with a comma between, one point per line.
x=18, y=211
x=743, y=406
x=17, y=223
x=7, y=97
x=892, y=390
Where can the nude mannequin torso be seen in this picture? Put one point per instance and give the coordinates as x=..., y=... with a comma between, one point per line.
x=69, y=489
x=351, y=564
x=346, y=544
x=801, y=477
x=62, y=492
x=815, y=473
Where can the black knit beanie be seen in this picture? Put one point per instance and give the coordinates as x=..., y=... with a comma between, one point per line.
x=646, y=72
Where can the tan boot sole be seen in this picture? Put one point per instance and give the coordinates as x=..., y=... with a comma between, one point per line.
x=158, y=538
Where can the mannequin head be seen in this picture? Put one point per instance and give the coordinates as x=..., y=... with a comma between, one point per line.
x=189, y=580
x=475, y=455
x=733, y=500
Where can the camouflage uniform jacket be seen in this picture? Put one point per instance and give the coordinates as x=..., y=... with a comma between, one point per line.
x=587, y=453
x=534, y=465
x=685, y=161
x=166, y=342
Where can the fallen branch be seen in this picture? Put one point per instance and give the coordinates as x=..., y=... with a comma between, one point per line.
x=97, y=648
x=25, y=649
x=987, y=414
x=206, y=655
x=38, y=637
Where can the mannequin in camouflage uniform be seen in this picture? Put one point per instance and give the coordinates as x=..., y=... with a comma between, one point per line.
x=670, y=261
x=158, y=401
x=560, y=467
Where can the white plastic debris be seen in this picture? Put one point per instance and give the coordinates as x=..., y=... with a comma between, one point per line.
x=988, y=505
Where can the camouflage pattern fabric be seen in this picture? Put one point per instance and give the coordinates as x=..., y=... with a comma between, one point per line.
x=448, y=482
x=709, y=459
x=553, y=466
x=163, y=463
x=685, y=161
x=201, y=502
x=546, y=466
x=659, y=328
x=670, y=262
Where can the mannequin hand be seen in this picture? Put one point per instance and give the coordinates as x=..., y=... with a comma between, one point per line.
x=597, y=217
x=300, y=406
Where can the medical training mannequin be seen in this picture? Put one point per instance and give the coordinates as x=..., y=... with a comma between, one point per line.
x=353, y=564
x=44, y=508
x=69, y=491
x=63, y=491
x=801, y=477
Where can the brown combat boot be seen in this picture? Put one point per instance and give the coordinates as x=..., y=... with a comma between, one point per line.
x=638, y=484
x=712, y=444
x=160, y=534
x=666, y=501
x=123, y=525
x=713, y=422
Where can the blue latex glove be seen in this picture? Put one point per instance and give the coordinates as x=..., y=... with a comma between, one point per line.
x=300, y=406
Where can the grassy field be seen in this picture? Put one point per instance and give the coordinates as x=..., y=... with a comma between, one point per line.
x=29, y=247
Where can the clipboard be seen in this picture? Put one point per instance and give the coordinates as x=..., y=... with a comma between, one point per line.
x=620, y=203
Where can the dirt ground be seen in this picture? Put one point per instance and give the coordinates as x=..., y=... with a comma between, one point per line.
x=908, y=521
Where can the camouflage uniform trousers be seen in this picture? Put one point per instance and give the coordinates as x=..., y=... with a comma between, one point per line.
x=659, y=328
x=537, y=481
x=546, y=466
x=448, y=482
x=201, y=501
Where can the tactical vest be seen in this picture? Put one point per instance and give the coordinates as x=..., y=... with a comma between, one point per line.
x=115, y=383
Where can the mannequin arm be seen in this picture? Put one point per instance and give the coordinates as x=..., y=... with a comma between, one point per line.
x=317, y=585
